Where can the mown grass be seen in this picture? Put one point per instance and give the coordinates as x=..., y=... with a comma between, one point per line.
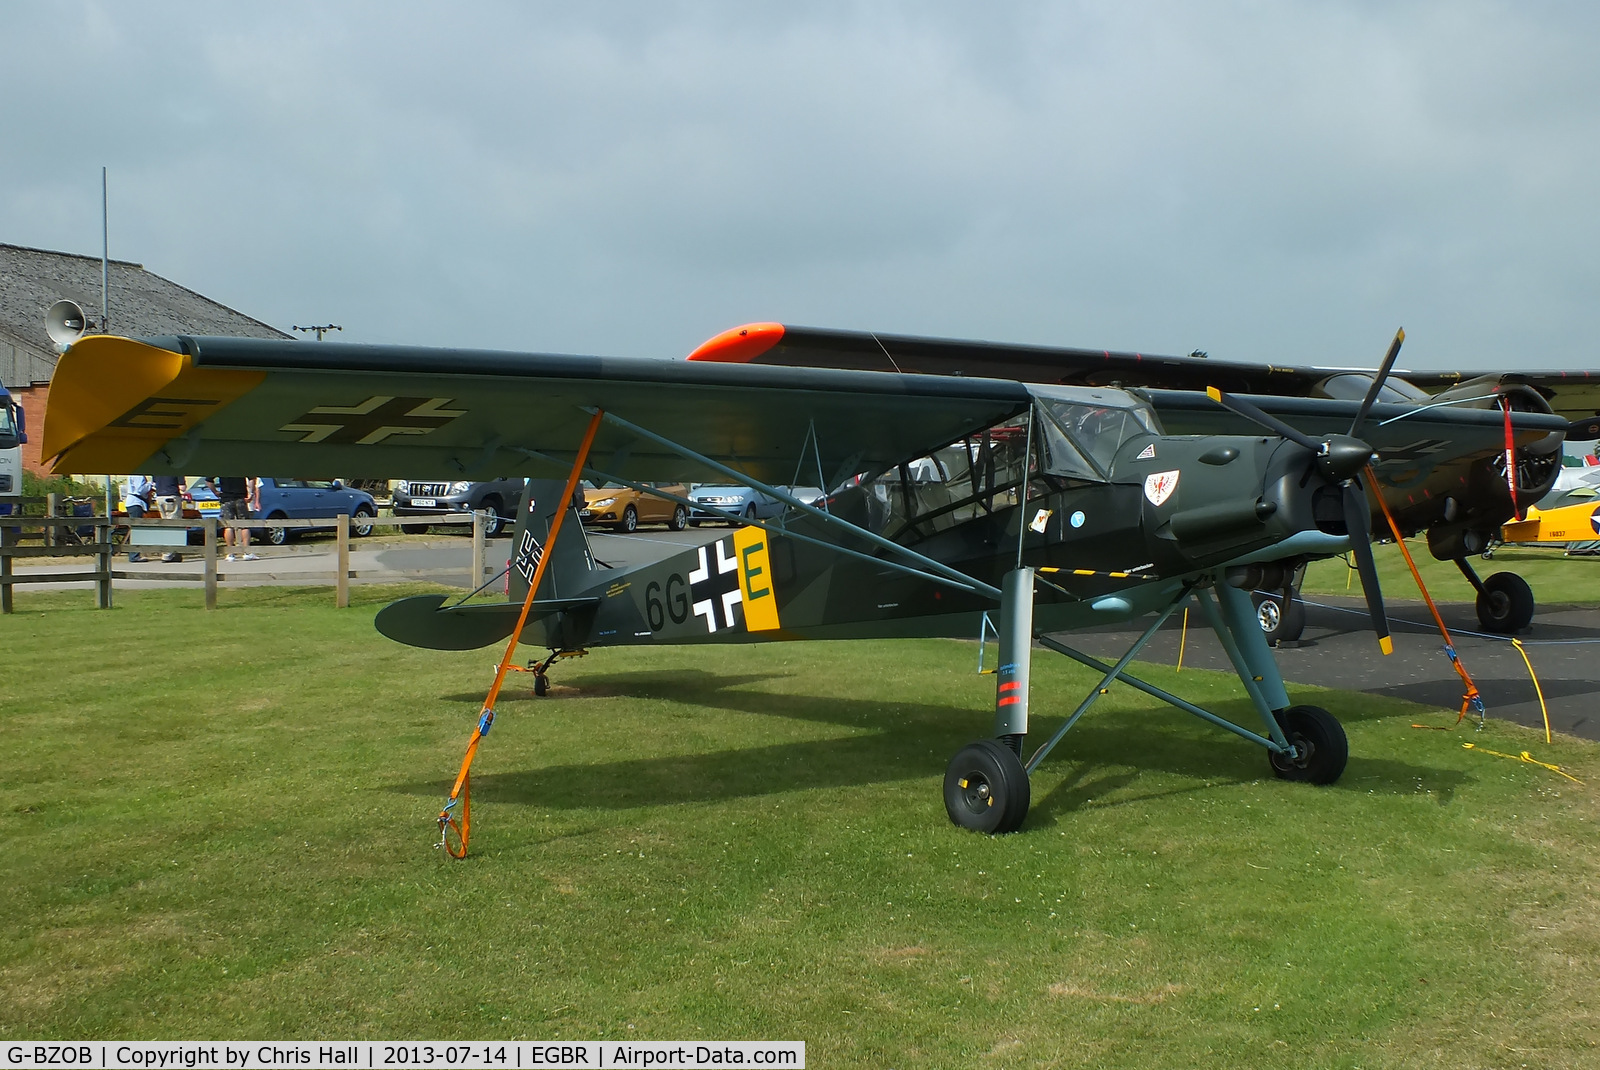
x=220, y=826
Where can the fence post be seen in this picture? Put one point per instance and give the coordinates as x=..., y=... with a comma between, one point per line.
x=341, y=585
x=478, y=528
x=105, y=556
x=211, y=561
x=5, y=572
x=52, y=507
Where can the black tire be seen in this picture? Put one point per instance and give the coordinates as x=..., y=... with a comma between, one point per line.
x=361, y=522
x=630, y=519
x=494, y=523
x=680, y=519
x=1278, y=624
x=541, y=684
x=277, y=535
x=414, y=529
x=694, y=523
x=1505, y=605
x=1320, y=739
x=749, y=512
x=986, y=789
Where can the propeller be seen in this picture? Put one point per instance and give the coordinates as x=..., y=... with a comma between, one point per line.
x=1341, y=459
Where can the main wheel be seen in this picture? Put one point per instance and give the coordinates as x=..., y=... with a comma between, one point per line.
x=494, y=523
x=630, y=519
x=277, y=535
x=986, y=789
x=1505, y=604
x=680, y=519
x=1280, y=624
x=1320, y=741
x=361, y=521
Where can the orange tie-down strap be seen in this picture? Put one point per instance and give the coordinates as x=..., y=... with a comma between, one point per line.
x=1470, y=698
x=462, y=788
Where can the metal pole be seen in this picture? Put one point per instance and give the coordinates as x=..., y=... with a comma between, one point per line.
x=105, y=259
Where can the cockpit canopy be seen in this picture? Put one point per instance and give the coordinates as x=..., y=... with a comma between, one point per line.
x=1083, y=427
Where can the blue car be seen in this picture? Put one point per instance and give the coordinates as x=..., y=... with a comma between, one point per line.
x=294, y=499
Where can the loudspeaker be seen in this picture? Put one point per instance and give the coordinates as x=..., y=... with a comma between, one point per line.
x=65, y=322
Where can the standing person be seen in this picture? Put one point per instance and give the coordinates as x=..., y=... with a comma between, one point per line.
x=169, y=499
x=138, y=494
x=236, y=493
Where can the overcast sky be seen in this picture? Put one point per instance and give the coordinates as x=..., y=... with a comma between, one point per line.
x=1284, y=182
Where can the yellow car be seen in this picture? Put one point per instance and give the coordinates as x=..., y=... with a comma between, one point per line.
x=625, y=509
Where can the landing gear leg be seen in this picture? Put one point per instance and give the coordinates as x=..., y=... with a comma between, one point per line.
x=985, y=786
x=540, y=669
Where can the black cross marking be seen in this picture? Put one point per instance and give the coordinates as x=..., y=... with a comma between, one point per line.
x=373, y=420
x=714, y=586
x=1414, y=452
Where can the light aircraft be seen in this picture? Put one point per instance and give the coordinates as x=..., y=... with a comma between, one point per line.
x=957, y=503
x=1460, y=506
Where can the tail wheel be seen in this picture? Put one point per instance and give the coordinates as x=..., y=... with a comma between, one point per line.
x=680, y=519
x=361, y=521
x=986, y=789
x=1505, y=605
x=1321, y=749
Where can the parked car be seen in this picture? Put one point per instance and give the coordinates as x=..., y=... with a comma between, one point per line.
x=743, y=502
x=624, y=508
x=432, y=498
x=298, y=499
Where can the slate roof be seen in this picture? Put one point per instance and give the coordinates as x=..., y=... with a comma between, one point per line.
x=141, y=303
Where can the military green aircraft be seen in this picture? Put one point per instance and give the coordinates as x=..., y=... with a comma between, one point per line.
x=1461, y=509
x=956, y=504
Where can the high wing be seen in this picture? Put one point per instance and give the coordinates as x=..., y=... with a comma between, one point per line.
x=236, y=405
x=1574, y=395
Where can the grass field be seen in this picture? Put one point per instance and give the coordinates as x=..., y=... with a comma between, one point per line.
x=221, y=825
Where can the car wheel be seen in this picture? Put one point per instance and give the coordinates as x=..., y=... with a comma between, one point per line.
x=630, y=519
x=750, y=512
x=361, y=522
x=495, y=522
x=277, y=534
x=694, y=523
x=680, y=519
x=1506, y=604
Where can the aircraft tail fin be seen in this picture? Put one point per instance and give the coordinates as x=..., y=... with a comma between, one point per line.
x=568, y=572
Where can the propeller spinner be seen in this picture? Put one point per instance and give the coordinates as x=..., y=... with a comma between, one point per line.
x=1342, y=460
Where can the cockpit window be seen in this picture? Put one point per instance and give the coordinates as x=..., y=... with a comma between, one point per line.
x=1081, y=440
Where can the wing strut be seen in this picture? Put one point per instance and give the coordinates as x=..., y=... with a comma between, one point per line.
x=938, y=567
x=462, y=789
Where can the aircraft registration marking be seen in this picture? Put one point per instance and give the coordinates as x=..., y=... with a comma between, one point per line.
x=755, y=580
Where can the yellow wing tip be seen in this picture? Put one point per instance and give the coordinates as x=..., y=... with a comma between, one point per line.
x=1386, y=644
x=1400, y=335
x=1213, y=393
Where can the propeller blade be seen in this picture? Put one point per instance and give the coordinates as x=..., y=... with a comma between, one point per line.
x=1377, y=382
x=1357, y=520
x=1256, y=415
x=1511, y=458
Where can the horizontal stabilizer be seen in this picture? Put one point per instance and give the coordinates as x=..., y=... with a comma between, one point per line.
x=418, y=621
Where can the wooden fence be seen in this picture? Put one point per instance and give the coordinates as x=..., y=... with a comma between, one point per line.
x=60, y=537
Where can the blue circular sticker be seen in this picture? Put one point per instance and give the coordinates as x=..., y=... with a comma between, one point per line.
x=1077, y=519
